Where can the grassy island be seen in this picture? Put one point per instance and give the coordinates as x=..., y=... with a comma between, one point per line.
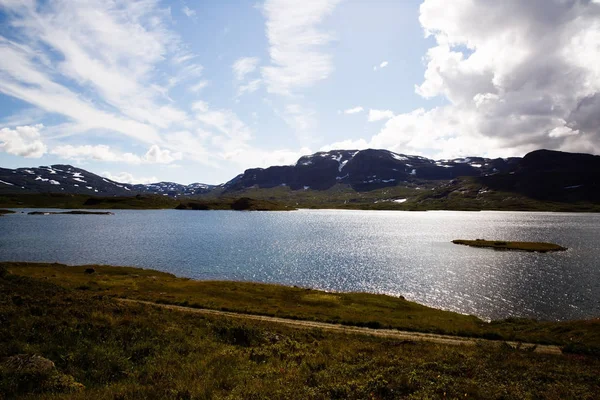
x=77, y=212
x=67, y=333
x=540, y=247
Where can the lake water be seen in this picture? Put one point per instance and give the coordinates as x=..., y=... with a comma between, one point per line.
x=398, y=253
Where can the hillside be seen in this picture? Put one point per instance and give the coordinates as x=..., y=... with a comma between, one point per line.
x=94, y=346
x=543, y=180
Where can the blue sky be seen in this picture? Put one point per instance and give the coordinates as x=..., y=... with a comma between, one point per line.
x=198, y=91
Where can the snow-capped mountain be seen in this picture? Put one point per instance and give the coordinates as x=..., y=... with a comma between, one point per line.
x=68, y=179
x=366, y=170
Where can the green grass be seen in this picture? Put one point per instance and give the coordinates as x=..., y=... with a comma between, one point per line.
x=73, y=201
x=359, y=309
x=129, y=351
x=505, y=245
x=238, y=204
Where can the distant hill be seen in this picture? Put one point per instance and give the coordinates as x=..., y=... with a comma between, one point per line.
x=542, y=180
x=367, y=170
x=68, y=179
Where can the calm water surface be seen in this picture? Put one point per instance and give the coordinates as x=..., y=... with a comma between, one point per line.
x=399, y=253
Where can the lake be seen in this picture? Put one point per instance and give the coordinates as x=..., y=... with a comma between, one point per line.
x=397, y=253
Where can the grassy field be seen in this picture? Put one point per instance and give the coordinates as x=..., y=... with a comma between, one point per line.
x=504, y=245
x=359, y=309
x=73, y=201
x=103, y=349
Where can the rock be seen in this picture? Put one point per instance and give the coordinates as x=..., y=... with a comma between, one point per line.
x=25, y=373
x=90, y=270
x=26, y=363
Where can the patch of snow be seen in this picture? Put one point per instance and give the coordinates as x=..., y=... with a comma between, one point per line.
x=79, y=180
x=76, y=185
x=573, y=187
x=89, y=187
x=400, y=200
x=448, y=166
x=105, y=180
x=398, y=157
x=77, y=175
x=39, y=178
x=306, y=187
x=342, y=165
x=29, y=171
x=96, y=190
x=7, y=183
x=409, y=165
x=388, y=180
x=413, y=172
x=126, y=188
x=53, y=182
x=476, y=165
x=339, y=178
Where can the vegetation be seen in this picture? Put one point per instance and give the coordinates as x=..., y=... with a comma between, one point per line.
x=359, y=309
x=463, y=194
x=502, y=245
x=2, y=212
x=104, y=349
x=79, y=212
x=240, y=204
x=76, y=201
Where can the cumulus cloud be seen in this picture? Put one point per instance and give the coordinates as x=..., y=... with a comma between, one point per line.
x=244, y=66
x=518, y=76
x=298, y=51
x=155, y=155
x=354, y=110
x=126, y=177
x=378, y=115
x=24, y=141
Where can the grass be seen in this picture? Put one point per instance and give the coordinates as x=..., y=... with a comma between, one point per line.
x=358, y=309
x=238, y=204
x=125, y=351
x=504, y=245
x=74, y=201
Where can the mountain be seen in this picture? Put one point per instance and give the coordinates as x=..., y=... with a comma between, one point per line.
x=68, y=179
x=541, y=180
x=366, y=170
x=552, y=176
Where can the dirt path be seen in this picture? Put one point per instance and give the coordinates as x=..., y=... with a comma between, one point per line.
x=387, y=333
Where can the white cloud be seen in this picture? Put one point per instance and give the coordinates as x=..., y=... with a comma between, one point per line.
x=188, y=11
x=378, y=115
x=126, y=177
x=298, y=49
x=155, y=154
x=532, y=82
x=24, y=141
x=380, y=66
x=251, y=87
x=244, y=66
x=108, y=54
x=354, y=110
x=198, y=86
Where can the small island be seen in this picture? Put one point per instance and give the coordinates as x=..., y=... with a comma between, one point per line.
x=3, y=212
x=540, y=247
x=77, y=212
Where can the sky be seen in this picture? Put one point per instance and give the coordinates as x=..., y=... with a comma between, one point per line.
x=198, y=91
